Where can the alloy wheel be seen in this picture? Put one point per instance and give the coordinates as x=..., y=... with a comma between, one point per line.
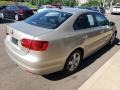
x=74, y=61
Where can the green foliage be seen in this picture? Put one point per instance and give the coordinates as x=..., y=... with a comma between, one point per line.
x=35, y=2
x=63, y=2
x=92, y=3
x=68, y=3
x=21, y=3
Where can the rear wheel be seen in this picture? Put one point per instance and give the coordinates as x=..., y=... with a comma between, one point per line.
x=72, y=62
x=16, y=17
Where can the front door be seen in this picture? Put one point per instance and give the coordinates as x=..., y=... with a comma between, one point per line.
x=87, y=28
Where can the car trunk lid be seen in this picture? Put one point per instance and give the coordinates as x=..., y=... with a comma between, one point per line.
x=21, y=30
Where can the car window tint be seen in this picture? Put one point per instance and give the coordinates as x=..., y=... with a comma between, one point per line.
x=50, y=19
x=101, y=20
x=82, y=22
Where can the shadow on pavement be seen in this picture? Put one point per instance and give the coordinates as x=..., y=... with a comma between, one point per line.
x=86, y=62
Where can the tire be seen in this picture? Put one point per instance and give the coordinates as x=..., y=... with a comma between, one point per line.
x=112, y=40
x=16, y=17
x=72, y=62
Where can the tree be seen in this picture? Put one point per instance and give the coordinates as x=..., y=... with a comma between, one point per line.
x=92, y=3
x=62, y=2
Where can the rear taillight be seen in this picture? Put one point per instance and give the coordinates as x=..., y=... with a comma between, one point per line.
x=21, y=12
x=34, y=44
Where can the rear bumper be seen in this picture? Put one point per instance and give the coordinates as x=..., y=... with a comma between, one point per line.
x=35, y=65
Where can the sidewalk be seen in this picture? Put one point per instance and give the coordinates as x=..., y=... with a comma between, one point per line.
x=107, y=77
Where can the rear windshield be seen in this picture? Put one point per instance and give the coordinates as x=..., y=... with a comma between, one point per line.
x=49, y=19
x=23, y=7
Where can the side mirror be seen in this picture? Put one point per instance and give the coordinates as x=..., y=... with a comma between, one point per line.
x=111, y=23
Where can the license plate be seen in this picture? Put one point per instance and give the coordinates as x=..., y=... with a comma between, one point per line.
x=15, y=41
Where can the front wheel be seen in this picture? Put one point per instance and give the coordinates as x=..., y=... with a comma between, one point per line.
x=112, y=40
x=72, y=62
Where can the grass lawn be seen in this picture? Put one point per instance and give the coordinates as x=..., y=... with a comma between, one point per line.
x=21, y=3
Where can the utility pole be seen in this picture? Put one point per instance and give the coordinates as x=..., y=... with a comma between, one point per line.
x=111, y=4
x=103, y=1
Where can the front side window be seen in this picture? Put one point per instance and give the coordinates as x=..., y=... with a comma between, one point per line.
x=50, y=19
x=101, y=20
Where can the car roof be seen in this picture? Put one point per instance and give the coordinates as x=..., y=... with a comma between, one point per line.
x=72, y=10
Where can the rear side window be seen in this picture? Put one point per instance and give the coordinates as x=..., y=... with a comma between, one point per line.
x=84, y=21
x=101, y=20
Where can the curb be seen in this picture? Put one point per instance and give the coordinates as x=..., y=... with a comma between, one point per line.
x=96, y=76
